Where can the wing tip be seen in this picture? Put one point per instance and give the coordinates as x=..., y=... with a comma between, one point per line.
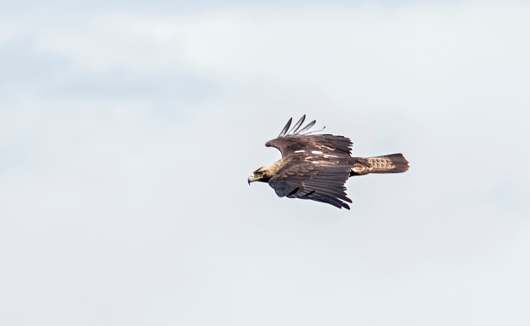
x=297, y=128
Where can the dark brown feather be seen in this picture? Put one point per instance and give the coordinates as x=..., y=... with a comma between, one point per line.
x=312, y=180
x=325, y=143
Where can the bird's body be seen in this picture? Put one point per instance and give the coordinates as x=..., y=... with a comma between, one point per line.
x=316, y=166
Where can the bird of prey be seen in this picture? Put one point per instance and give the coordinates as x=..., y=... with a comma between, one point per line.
x=316, y=166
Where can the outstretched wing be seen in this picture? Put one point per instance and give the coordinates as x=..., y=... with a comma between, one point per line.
x=322, y=181
x=299, y=140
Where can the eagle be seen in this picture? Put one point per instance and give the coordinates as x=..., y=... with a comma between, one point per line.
x=316, y=166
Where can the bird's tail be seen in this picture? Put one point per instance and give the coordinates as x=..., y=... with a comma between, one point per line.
x=392, y=163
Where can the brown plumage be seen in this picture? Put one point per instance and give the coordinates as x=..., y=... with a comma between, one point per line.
x=316, y=166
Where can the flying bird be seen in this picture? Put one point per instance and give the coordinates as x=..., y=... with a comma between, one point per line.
x=316, y=166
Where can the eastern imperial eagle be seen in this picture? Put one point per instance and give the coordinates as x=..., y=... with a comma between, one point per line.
x=316, y=166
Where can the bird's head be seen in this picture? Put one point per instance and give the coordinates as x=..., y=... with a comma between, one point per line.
x=262, y=174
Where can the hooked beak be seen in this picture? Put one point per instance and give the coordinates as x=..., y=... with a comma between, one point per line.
x=251, y=178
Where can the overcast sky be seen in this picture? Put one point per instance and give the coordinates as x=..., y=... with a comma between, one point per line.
x=128, y=131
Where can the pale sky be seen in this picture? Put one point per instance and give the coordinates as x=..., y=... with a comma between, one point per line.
x=128, y=131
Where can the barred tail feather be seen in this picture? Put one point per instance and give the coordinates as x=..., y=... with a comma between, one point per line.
x=392, y=163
